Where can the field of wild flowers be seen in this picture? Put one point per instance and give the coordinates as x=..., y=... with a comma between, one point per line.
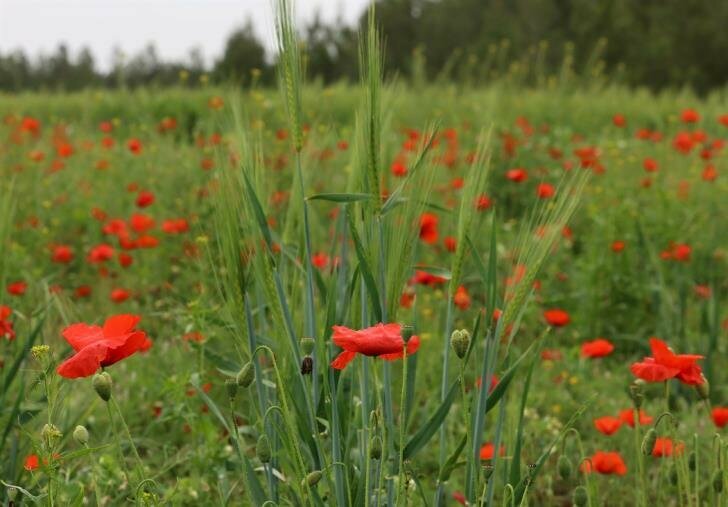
x=382, y=294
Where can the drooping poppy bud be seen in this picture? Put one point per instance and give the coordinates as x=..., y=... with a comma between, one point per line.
x=460, y=341
x=718, y=481
x=375, y=447
x=80, y=435
x=580, y=496
x=306, y=365
x=246, y=375
x=312, y=479
x=232, y=388
x=102, y=385
x=262, y=449
x=648, y=443
x=565, y=467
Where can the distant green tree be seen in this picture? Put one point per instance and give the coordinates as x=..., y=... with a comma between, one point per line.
x=243, y=53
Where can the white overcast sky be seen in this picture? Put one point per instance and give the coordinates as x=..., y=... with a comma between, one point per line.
x=175, y=26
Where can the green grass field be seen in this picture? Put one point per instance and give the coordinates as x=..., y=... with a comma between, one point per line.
x=237, y=223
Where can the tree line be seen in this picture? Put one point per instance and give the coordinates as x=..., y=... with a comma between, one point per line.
x=650, y=43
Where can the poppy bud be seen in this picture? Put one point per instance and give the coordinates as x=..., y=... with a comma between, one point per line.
x=703, y=389
x=718, y=481
x=102, y=384
x=407, y=332
x=306, y=365
x=648, y=443
x=692, y=461
x=312, y=479
x=672, y=474
x=50, y=433
x=565, y=467
x=12, y=494
x=580, y=496
x=245, y=375
x=232, y=388
x=460, y=341
x=80, y=434
x=262, y=448
x=307, y=345
x=636, y=392
x=375, y=448
x=487, y=471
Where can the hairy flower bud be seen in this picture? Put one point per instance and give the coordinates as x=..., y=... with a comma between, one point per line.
x=307, y=345
x=246, y=375
x=12, y=493
x=80, y=435
x=487, y=471
x=306, y=365
x=703, y=389
x=718, y=481
x=312, y=479
x=565, y=467
x=580, y=496
x=460, y=341
x=636, y=389
x=375, y=447
x=692, y=461
x=232, y=388
x=262, y=449
x=102, y=385
x=648, y=443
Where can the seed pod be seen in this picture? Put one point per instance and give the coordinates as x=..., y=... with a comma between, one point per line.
x=375, y=448
x=407, y=332
x=672, y=474
x=232, y=388
x=102, y=384
x=580, y=496
x=307, y=345
x=487, y=471
x=12, y=494
x=262, y=449
x=565, y=467
x=80, y=434
x=648, y=443
x=306, y=365
x=703, y=389
x=692, y=461
x=460, y=341
x=312, y=479
x=718, y=481
x=245, y=375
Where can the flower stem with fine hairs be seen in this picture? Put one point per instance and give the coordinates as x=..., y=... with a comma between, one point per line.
x=402, y=424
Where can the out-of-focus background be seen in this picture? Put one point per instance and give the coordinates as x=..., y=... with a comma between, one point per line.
x=76, y=44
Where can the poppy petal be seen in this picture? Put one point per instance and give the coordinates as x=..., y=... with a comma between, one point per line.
x=343, y=359
x=82, y=335
x=85, y=362
x=120, y=325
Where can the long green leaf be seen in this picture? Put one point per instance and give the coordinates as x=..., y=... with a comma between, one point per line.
x=343, y=197
x=424, y=434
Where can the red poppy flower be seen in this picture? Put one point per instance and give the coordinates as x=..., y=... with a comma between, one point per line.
x=144, y=198
x=120, y=295
x=619, y=120
x=31, y=462
x=702, y=291
x=650, y=165
x=627, y=417
x=483, y=203
x=320, y=260
x=545, y=191
x=517, y=175
x=618, y=246
x=462, y=298
x=125, y=260
x=134, y=145
x=428, y=228
x=597, y=348
x=459, y=497
x=398, y=168
x=407, y=299
x=62, y=254
x=383, y=341
x=606, y=463
x=683, y=142
x=551, y=355
x=83, y=291
x=487, y=451
x=689, y=116
x=98, y=347
x=665, y=364
x=428, y=279
x=175, y=226
x=664, y=447
x=451, y=243
x=709, y=173
x=607, y=425
x=556, y=317
x=101, y=253
x=493, y=382
x=141, y=223
x=681, y=252
x=720, y=416
x=6, y=327
x=17, y=288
